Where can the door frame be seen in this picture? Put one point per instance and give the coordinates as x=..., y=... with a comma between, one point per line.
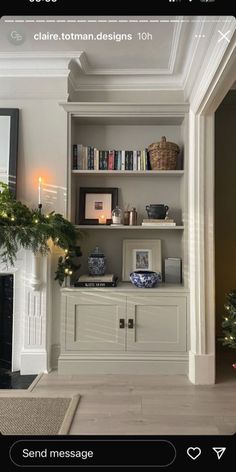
x=201, y=217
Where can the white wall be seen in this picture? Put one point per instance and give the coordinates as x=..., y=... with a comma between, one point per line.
x=42, y=145
x=42, y=149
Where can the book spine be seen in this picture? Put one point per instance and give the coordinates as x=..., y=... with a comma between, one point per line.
x=111, y=160
x=131, y=159
x=91, y=158
x=135, y=164
x=105, y=160
x=116, y=155
x=80, y=156
x=126, y=160
x=96, y=159
x=156, y=225
x=122, y=160
x=100, y=160
x=74, y=157
x=96, y=284
x=138, y=160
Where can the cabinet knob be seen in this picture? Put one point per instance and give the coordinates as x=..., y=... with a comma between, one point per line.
x=122, y=323
x=130, y=323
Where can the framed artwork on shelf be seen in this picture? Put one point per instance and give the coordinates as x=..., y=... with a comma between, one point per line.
x=96, y=205
x=141, y=254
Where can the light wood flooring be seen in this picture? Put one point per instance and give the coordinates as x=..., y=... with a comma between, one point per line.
x=155, y=405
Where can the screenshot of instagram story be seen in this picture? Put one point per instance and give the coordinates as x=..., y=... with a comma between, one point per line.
x=117, y=239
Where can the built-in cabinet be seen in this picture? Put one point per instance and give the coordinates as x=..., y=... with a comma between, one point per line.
x=102, y=328
x=125, y=329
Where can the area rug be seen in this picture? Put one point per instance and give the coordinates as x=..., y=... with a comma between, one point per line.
x=30, y=415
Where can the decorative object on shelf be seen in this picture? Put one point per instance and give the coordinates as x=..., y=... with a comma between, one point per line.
x=133, y=217
x=68, y=265
x=96, y=203
x=116, y=216
x=141, y=254
x=163, y=155
x=229, y=322
x=97, y=281
x=145, y=278
x=159, y=223
x=97, y=262
x=173, y=270
x=102, y=220
x=157, y=211
x=126, y=217
x=21, y=227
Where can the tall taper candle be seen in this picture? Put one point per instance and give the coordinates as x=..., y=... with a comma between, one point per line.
x=40, y=189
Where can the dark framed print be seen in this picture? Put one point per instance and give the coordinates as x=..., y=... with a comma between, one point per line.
x=96, y=205
x=9, y=119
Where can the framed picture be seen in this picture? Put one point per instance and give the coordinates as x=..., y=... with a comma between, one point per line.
x=96, y=205
x=141, y=254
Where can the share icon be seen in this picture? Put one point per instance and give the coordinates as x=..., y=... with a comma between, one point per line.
x=219, y=451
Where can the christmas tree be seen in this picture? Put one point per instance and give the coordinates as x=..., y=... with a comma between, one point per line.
x=229, y=322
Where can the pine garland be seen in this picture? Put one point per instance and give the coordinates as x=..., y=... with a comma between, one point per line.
x=68, y=265
x=21, y=227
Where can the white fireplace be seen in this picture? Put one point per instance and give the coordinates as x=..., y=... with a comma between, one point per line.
x=31, y=341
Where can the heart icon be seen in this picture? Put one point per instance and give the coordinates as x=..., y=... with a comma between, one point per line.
x=194, y=452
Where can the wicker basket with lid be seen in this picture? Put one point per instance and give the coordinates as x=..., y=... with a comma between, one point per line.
x=163, y=155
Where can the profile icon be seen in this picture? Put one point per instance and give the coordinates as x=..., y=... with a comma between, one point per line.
x=16, y=37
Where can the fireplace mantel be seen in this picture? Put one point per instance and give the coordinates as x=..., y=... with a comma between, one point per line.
x=31, y=312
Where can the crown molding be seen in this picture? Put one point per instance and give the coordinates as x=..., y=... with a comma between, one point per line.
x=217, y=58
x=93, y=109
x=174, y=46
x=129, y=83
x=36, y=64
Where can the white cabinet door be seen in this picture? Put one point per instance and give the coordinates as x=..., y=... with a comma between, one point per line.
x=95, y=322
x=156, y=323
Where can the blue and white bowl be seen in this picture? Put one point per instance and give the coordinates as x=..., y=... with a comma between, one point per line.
x=145, y=278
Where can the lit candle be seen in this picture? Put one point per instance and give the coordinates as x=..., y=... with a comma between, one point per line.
x=40, y=189
x=102, y=220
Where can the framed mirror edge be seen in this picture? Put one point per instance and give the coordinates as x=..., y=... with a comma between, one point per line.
x=13, y=148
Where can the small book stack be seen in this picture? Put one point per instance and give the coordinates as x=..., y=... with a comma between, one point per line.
x=167, y=222
x=108, y=280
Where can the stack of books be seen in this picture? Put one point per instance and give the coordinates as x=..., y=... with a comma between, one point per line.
x=155, y=222
x=108, y=280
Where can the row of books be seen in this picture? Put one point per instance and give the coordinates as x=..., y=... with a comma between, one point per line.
x=158, y=223
x=90, y=158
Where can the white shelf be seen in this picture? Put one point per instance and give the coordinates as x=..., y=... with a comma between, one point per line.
x=137, y=228
x=129, y=287
x=134, y=173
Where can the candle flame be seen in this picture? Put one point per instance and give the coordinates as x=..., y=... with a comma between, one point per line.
x=40, y=180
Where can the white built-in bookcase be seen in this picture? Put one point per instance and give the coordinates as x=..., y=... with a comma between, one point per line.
x=124, y=126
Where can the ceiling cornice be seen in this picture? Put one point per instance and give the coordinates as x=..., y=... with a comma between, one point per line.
x=36, y=64
x=217, y=51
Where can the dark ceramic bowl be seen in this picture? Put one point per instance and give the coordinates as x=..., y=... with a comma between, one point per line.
x=157, y=211
x=145, y=278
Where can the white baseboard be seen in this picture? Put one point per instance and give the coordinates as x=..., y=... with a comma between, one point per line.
x=77, y=366
x=201, y=368
x=34, y=362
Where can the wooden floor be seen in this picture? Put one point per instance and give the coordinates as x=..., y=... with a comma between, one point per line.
x=157, y=405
